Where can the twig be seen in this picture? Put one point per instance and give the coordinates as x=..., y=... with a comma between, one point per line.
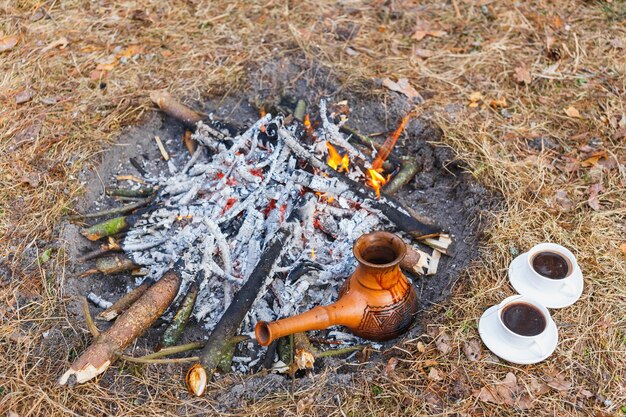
x=126, y=192
x=91, y=326
x=130, y=178
x=162, y=149
x=407, y=172
x=341, y=351
x=174, y=331
x=172, y=107
x=134, y=162
x=159, y=361
x=103, y=249
x=125, y=302
x=117, y=210
x=172, y=350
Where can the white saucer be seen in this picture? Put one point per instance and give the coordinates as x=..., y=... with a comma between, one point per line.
x=550, y=299
x=492, y=335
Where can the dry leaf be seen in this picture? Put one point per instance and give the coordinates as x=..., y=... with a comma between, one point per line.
x=305, y=403
x=8, y=42
x=424, y=53
x=475, y=96
x=558, y=382
x=538, y=387
x=23, y=96
x=443, y=343
x=472, y=350
x=563, y=201
x=61, y=43
x=619, y=133
x=522, y=75
x=593, y=159
x=622, y=247
x=403, y=87
x=390, y=368
x=429, y=362
x=422, y=29
x=572, y=112
x=557, y=22
x=420, y=347
x=433, y=375
x=506, y=392
x=594, y=190
x=498, y=103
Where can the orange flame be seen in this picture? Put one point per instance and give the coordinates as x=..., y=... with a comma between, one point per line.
x=336, y=161
x=385, y=150
x=375, y=178
x=313, y=256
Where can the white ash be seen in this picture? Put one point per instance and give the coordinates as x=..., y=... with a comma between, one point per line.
x=221, y=208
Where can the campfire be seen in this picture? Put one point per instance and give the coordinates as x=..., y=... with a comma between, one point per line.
x=257, y=226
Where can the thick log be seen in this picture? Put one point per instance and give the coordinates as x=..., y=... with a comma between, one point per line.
x=218, y=344
x=125, y=302
x=128, y=327
x=172, y=107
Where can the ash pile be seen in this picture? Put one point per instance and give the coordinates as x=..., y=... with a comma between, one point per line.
x=216, y=210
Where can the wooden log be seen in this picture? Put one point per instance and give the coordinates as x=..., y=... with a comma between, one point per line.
x=175, y=329
x=129, y=326
x=127, y=192
x=407, y=171
x=218, y=344
x=125, y=302
x=105, y=248
x=172, y=107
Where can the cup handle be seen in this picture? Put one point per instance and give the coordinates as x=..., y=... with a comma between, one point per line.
x=539, y=347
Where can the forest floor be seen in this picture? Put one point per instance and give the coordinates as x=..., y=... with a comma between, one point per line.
x=541, y=121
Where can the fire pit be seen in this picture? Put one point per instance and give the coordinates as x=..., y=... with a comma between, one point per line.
x=279, y=203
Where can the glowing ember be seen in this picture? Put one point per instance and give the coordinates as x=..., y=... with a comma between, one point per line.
x=335, y=160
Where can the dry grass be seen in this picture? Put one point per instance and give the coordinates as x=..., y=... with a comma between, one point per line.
x=199, y=48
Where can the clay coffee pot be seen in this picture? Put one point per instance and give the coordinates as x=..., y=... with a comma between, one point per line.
x=377, y=302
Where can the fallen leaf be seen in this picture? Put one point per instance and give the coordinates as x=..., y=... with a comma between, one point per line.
x=498, y=103
x=472, y=350
x=506, y=392
x=522, y=75
x=594, y=190
x=23, y=96
x=571, y=111
x=557, y=22
x=402, y=86
x=8, y=42
x=305, y=403
x=433, y=375
x=593, y=159
x=390, y=368
x=563, y=200
x=619, y=133
x=424, y=53
x=558, y=382
x=622, y=247
x=422, y=29
x=429, y=362
x=59, y=43
x=443, y=343
x=538, y=387
x=567, y=164
x=420, y=347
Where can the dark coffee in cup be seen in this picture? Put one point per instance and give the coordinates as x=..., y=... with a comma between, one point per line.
x=524, y=319
x=551, y=265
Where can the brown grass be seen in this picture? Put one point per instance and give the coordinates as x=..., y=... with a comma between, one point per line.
x=199, y=49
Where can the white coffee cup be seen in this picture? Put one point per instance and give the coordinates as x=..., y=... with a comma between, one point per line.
x=537, y=342
x=565, y=285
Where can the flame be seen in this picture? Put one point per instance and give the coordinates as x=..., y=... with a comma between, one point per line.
x=376, y=180
x=313, y=254
x=335, y=160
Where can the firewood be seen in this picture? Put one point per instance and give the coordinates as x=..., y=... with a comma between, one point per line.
x=175, y=329
x=105, y=248
x=413, y=261
x=304, y=352
x=124, y=302
x=404, y=176
x=118, y=210
x=127, y=192
x=115, y=264
x=127, y=328
x=218, y=343
x=175, y=109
